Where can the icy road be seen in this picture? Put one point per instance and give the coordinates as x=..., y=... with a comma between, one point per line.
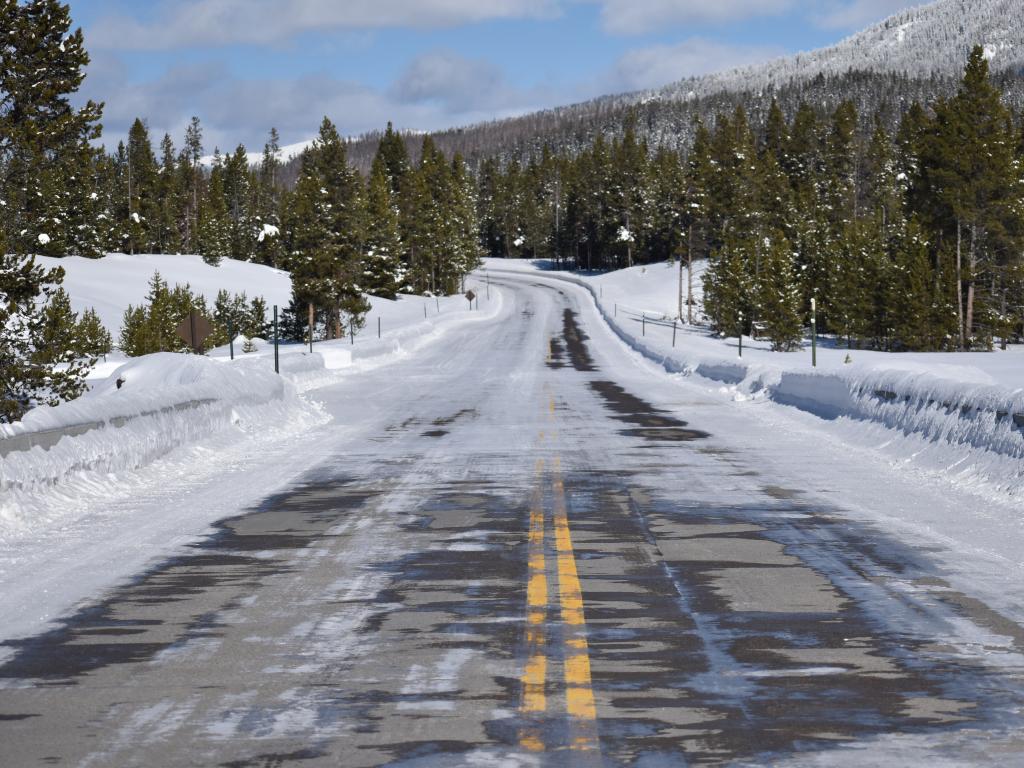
x=525, y=546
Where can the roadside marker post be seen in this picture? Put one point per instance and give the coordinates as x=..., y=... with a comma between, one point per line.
x=741, y=334
x=277, y=359
x=312, y=317
x=231, y=340
x=378, y=327
x=438, y=302
x=814, y=334
x=352, y=330
x=643, y=324
x=673, y=334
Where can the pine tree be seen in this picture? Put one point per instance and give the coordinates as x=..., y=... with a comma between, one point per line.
x=972, y=192
x=728, y=286
x=152, y=326
x=383, y=271
x=39, y=364
x=267, y=207
x=190, y=182
x=46, y=157
x=778, y=294
x=141, y=192
x=326, y=230
x=95, y=340
x=166, y=231
x=215, y=231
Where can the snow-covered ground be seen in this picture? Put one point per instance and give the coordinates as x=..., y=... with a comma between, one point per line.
x=957, y=416
x=110, y=284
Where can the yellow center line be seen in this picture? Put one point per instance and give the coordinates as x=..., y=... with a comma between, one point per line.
x=579, y=691
x=534, y=677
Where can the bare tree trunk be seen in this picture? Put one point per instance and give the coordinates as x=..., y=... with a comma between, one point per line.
x=959, y=284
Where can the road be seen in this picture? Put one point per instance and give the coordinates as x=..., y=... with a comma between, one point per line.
x=534, y=551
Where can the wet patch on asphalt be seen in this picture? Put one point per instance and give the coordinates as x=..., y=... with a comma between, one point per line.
x=576, y=343
x=179, y=600
x=651, y=423
x=556, y=353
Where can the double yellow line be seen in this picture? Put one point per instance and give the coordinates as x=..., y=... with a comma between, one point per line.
x=579, y=694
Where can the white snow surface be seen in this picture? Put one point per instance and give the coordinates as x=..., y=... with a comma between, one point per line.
x=138, y=409
x=113, y=282
x=959, y=416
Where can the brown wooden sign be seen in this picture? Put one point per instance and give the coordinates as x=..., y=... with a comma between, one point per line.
x=194, y=330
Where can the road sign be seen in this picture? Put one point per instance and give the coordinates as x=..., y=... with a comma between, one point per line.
x=194, y=330
x=470, y=296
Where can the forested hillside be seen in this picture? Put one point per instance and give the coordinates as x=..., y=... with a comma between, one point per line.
x=915, y=55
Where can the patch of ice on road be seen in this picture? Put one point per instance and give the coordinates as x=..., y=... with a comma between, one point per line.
x=801, y=672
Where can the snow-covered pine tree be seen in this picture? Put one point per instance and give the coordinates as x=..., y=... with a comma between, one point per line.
x=167, y=229
x=728, y=287
x=40, y=358
x=383, y=270
x=972, y=192
x=46, y=157
x=778, y=294
x=141, y=190
x=215, y=229
x=94, y=338
x=325, y=227
x=268, y=248
x=239, y=200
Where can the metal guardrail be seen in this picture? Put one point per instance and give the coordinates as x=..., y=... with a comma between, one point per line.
x=48, y=438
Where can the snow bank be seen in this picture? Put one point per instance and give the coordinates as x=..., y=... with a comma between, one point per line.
x=957, y=420
x=149, y=406
x=165, y=401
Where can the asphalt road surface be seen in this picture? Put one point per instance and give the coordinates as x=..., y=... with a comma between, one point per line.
x=532, y=551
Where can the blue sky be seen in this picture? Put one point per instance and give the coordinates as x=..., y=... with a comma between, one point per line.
x=243, y=66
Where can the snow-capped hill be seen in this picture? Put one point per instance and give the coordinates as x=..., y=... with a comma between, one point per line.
x=284, y=154
x=918, y=42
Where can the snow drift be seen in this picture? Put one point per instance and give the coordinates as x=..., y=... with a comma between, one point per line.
x=164, y=401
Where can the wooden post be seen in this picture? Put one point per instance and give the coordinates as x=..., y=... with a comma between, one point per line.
x=312, y=319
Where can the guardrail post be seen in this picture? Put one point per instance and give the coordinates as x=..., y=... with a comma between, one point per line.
x=277, y=358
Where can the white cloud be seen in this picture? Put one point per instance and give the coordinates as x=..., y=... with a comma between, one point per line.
x=260, y=22
x=451, y=80
x=633, y=17
x=436, y=91
x=662, y=64
x=859, y=13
